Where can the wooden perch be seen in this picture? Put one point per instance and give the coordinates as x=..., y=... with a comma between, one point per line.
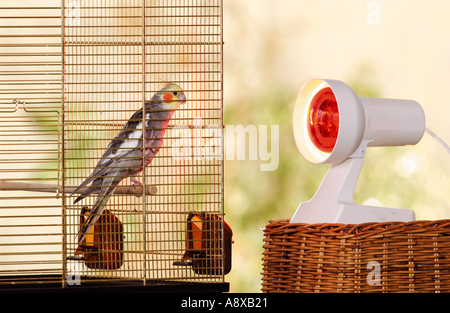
x=37, y=187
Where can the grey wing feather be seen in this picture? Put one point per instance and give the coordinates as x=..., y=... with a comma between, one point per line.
x=115, y=151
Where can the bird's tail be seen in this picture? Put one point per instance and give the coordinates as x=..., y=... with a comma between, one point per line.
x=109, y=184
x=92, y=189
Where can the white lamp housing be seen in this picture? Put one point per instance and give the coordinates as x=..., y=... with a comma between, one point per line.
x=333, y=125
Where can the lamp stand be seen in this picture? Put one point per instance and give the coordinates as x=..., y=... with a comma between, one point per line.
x=333, y=201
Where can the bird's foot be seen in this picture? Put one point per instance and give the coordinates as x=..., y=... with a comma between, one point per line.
x=134, y=182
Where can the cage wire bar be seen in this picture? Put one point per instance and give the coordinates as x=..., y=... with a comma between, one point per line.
x=71, y=75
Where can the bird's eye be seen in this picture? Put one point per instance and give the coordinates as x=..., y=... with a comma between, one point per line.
x=175, y=93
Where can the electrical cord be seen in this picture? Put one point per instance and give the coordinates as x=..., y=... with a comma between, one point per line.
x=437, y=139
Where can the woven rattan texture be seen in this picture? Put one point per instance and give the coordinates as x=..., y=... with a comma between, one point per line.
x=411, y=257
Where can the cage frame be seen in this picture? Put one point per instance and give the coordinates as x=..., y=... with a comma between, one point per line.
x=61, y=189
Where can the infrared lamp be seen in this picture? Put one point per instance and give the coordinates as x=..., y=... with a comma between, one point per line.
x=332, y=125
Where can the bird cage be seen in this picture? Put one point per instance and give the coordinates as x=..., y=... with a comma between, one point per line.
x=72, y=73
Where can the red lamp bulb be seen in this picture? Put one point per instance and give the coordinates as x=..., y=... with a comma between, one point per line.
x=323, y=120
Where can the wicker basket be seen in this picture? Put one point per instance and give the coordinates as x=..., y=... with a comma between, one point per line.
x=405, y=257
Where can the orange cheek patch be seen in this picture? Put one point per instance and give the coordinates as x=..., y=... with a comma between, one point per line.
x=168, y=98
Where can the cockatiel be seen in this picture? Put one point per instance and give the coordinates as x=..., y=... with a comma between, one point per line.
x=123, y=156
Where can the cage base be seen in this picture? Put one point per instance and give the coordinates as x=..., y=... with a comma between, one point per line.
x=30, y=284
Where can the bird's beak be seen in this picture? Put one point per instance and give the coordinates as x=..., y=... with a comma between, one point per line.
x=183, y=99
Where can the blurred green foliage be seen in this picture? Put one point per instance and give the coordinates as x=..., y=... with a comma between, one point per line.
x=253, y=197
